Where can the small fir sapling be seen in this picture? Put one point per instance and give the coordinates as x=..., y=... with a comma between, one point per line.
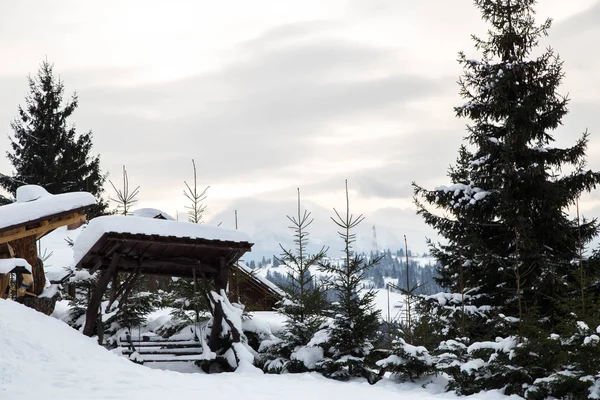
x=303, y=305
x=355, y=322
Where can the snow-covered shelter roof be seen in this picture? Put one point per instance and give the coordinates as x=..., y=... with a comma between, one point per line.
x=157, y=247
x=152, y=213
x=37, y=212
x=14, y=265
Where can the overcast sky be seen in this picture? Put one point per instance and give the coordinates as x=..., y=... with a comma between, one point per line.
x=268, y=96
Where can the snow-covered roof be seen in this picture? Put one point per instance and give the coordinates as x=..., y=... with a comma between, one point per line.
x=35, y=203
x=152, y=213
x=149, y=226
x=250, y=273
x=8, y=265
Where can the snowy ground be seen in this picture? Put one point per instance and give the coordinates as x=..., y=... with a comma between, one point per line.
x=41, y=357
x=395, y=301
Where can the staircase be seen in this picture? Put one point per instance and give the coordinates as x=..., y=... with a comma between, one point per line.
x=145, y=349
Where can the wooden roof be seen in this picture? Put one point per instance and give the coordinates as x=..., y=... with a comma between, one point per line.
x=162, y=255
x=40, y=227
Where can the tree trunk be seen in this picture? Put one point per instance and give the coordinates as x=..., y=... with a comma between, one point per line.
x=26, y=248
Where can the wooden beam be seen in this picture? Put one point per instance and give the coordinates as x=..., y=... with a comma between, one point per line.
x=94, y=304
x=223, y=276
x=41, y=228
x=157, y=267
x=97, y=265
x=131, y=263
x=164, y=240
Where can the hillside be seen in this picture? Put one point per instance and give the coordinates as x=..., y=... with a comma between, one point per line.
x=391, y=269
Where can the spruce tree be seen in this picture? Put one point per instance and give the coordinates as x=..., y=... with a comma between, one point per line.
x=511, y=248
x=303, y=305
x=46, y=149
x=355, y=320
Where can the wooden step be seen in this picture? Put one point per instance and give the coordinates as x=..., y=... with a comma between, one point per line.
x=164, y=351
x=169, y=345
x=152, y=339
x=170, y=357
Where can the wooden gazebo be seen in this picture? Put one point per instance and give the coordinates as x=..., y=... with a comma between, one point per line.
x=135, y=246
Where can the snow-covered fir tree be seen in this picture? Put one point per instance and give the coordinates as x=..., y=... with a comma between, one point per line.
x=187, y=298
x=511, y=245
x=355, y=322
x=303, y=305
x=46, y=149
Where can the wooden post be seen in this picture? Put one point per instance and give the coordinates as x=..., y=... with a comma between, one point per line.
x=220, y=285
x=26, y=248
x=4, y=282
x=94, y=305
x=5, y=252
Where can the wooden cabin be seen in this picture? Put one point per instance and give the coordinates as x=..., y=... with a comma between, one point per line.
x=35, y=214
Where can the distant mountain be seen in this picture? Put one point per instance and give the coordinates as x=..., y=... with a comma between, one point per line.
x=266, y=222
x=391, y=269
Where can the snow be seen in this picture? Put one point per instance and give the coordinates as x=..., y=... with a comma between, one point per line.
x=149, y=226
x=397, y=304
x=9, y=264
x=263, y=322
x=471, y=365
x=504, y=345
x=309, y=356
x=39, y=206
x=591, y=340
x=444, y=298
x=43, y=357
x=479, y=161
x=28, y=193
x=320, y=337
x=583, y=327
x=391, y=360
x=469, y=193
x=49, y=292
x=543, y=149
x=57, y=253
x=151, y=213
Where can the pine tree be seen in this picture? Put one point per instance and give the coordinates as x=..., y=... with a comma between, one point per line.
x=511, y=246
x=304, y=304
x=355, y=320
x=46, y=150
x=195, y=197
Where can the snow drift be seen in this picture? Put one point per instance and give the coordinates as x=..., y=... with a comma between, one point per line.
x=42, y=357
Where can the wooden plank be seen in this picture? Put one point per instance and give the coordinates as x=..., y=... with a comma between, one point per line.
x=160, y=345
x=171, y=358
x=40, y=229
x=182, y=242
x=184, y=351
x=161, y=339
x=50, y=217
x=72, y=219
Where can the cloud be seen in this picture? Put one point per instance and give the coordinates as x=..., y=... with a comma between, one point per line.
x=266, y=112
x=364, y=93
x=584, y=21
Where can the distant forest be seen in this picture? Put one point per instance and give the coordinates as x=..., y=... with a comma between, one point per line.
x=390, y=269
